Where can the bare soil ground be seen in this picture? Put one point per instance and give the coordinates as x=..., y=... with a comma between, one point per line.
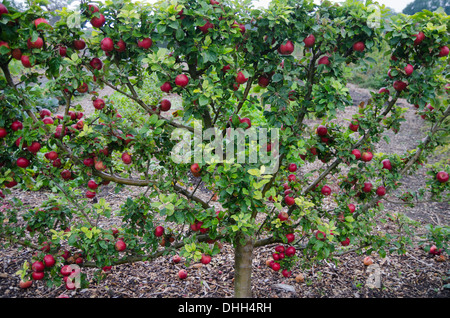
x=417, y=274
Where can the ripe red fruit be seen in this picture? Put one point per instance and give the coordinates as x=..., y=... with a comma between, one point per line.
x=96, y=63
x=324, y=60
x=145, y=43
x=25, y=59
x=195, y=168
x=62, y=51
x=386, y=164
x=3, y=133
x=3, y=9
x=34, y=147
x=321, y=130
x=367, y=187
x=90, y=194
x=44, y=113
x=345, y=242
x=443, y=51
x=400, y=86
x=419, y=38
x=166, y=87
x=309, y=40
x=381, y=191
x=354, y=125
x=92, y=185
x=359, y=46
x=276, y=266
x=283, y=216
x=291, y=178
x=366, y=156
x=48, y=121
x=290, y=237
x=435, y=251
x=290, y=251
x=37, y=275
x=205, y=259
x=159, y=231
x=66, y=174
x=351, y=207
x=88, y=162
x=442, y=176
x=226, y=68
x=98, y=22
x=320, y=235
x=165, y=105
x=92, y=8
x=38, y=44
x=409, y=69
x=49, y=261
x=286, y=273
x=120, y=246
x=107, y=45
x=263, y=81
x=240, y=78
x=176, y=259
x=16, y=125
x=205, y=28
x=326, y=190
x=25, y=285
x=356, y=153
x=181, y=80
x=99, y=103
x=182, y=274
x=38, y=266
x=39, y=21
x=289, y=200
x=79, y=44
x=22, y=162
x=121, y=46
x=287, y=48
x=383, y=90
x=247, y=121
x=126, y=158
x=52, y=155
x=292, y=167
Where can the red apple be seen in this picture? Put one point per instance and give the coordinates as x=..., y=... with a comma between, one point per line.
x=400, y=85
x=381, y=191
x=309, y=40
x=351, y=207
x=359, y=46
x=165, y=105
x=386, y=164
x=383, y=90
x=354, y=125
x=126, y=158
x=120, y=46
x=38, y=266
x=366, y=156
x=367, y=187
x=96, y=63
x=409, y=69
x=99, y=103
x=38, y=44
x=98, y=22
x=321, y=130
x=443, y=51
x=240, y=78
x=107, y=45
x=39, y=21
x=195, y=168
x=44, y=113
x=419, y=38
x=442, y=176
x=66, y=174
x=120, y=246
x=25, y=59
x=290, y=251
x=289, y=200
x=16, y=125
x=49, y=261
x=25, y=284
x=176, y=259
x=326, y=190
x=205, y=259
x=292, y=167
x=287, y=48
x=166, y=87
x=3, y=9
x=23, y=162
x=290, y=237
x=345, y=242
x=37, y=275
x=159, y=231
x=48, y=121
x=205, y=28
x=356, y=153
x=79, y=44
x=92, y=185
x=263, y=81
x=324, y=60
x=247, y=121
x=3, y=133
x=181, y=80
x=145, y=43
x=182, y=274
x=276, y=266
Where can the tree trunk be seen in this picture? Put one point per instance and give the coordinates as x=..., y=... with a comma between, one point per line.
x=243, y=255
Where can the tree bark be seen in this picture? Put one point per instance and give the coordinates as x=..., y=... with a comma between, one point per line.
x=243, y=256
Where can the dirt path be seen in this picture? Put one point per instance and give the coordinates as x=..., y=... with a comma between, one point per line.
x=416, y=274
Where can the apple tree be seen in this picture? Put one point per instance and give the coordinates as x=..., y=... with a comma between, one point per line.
x=237, y=70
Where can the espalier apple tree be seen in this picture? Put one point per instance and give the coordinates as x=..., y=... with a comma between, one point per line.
x=235, y=68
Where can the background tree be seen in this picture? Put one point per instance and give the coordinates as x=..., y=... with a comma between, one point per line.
x=431, y=5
